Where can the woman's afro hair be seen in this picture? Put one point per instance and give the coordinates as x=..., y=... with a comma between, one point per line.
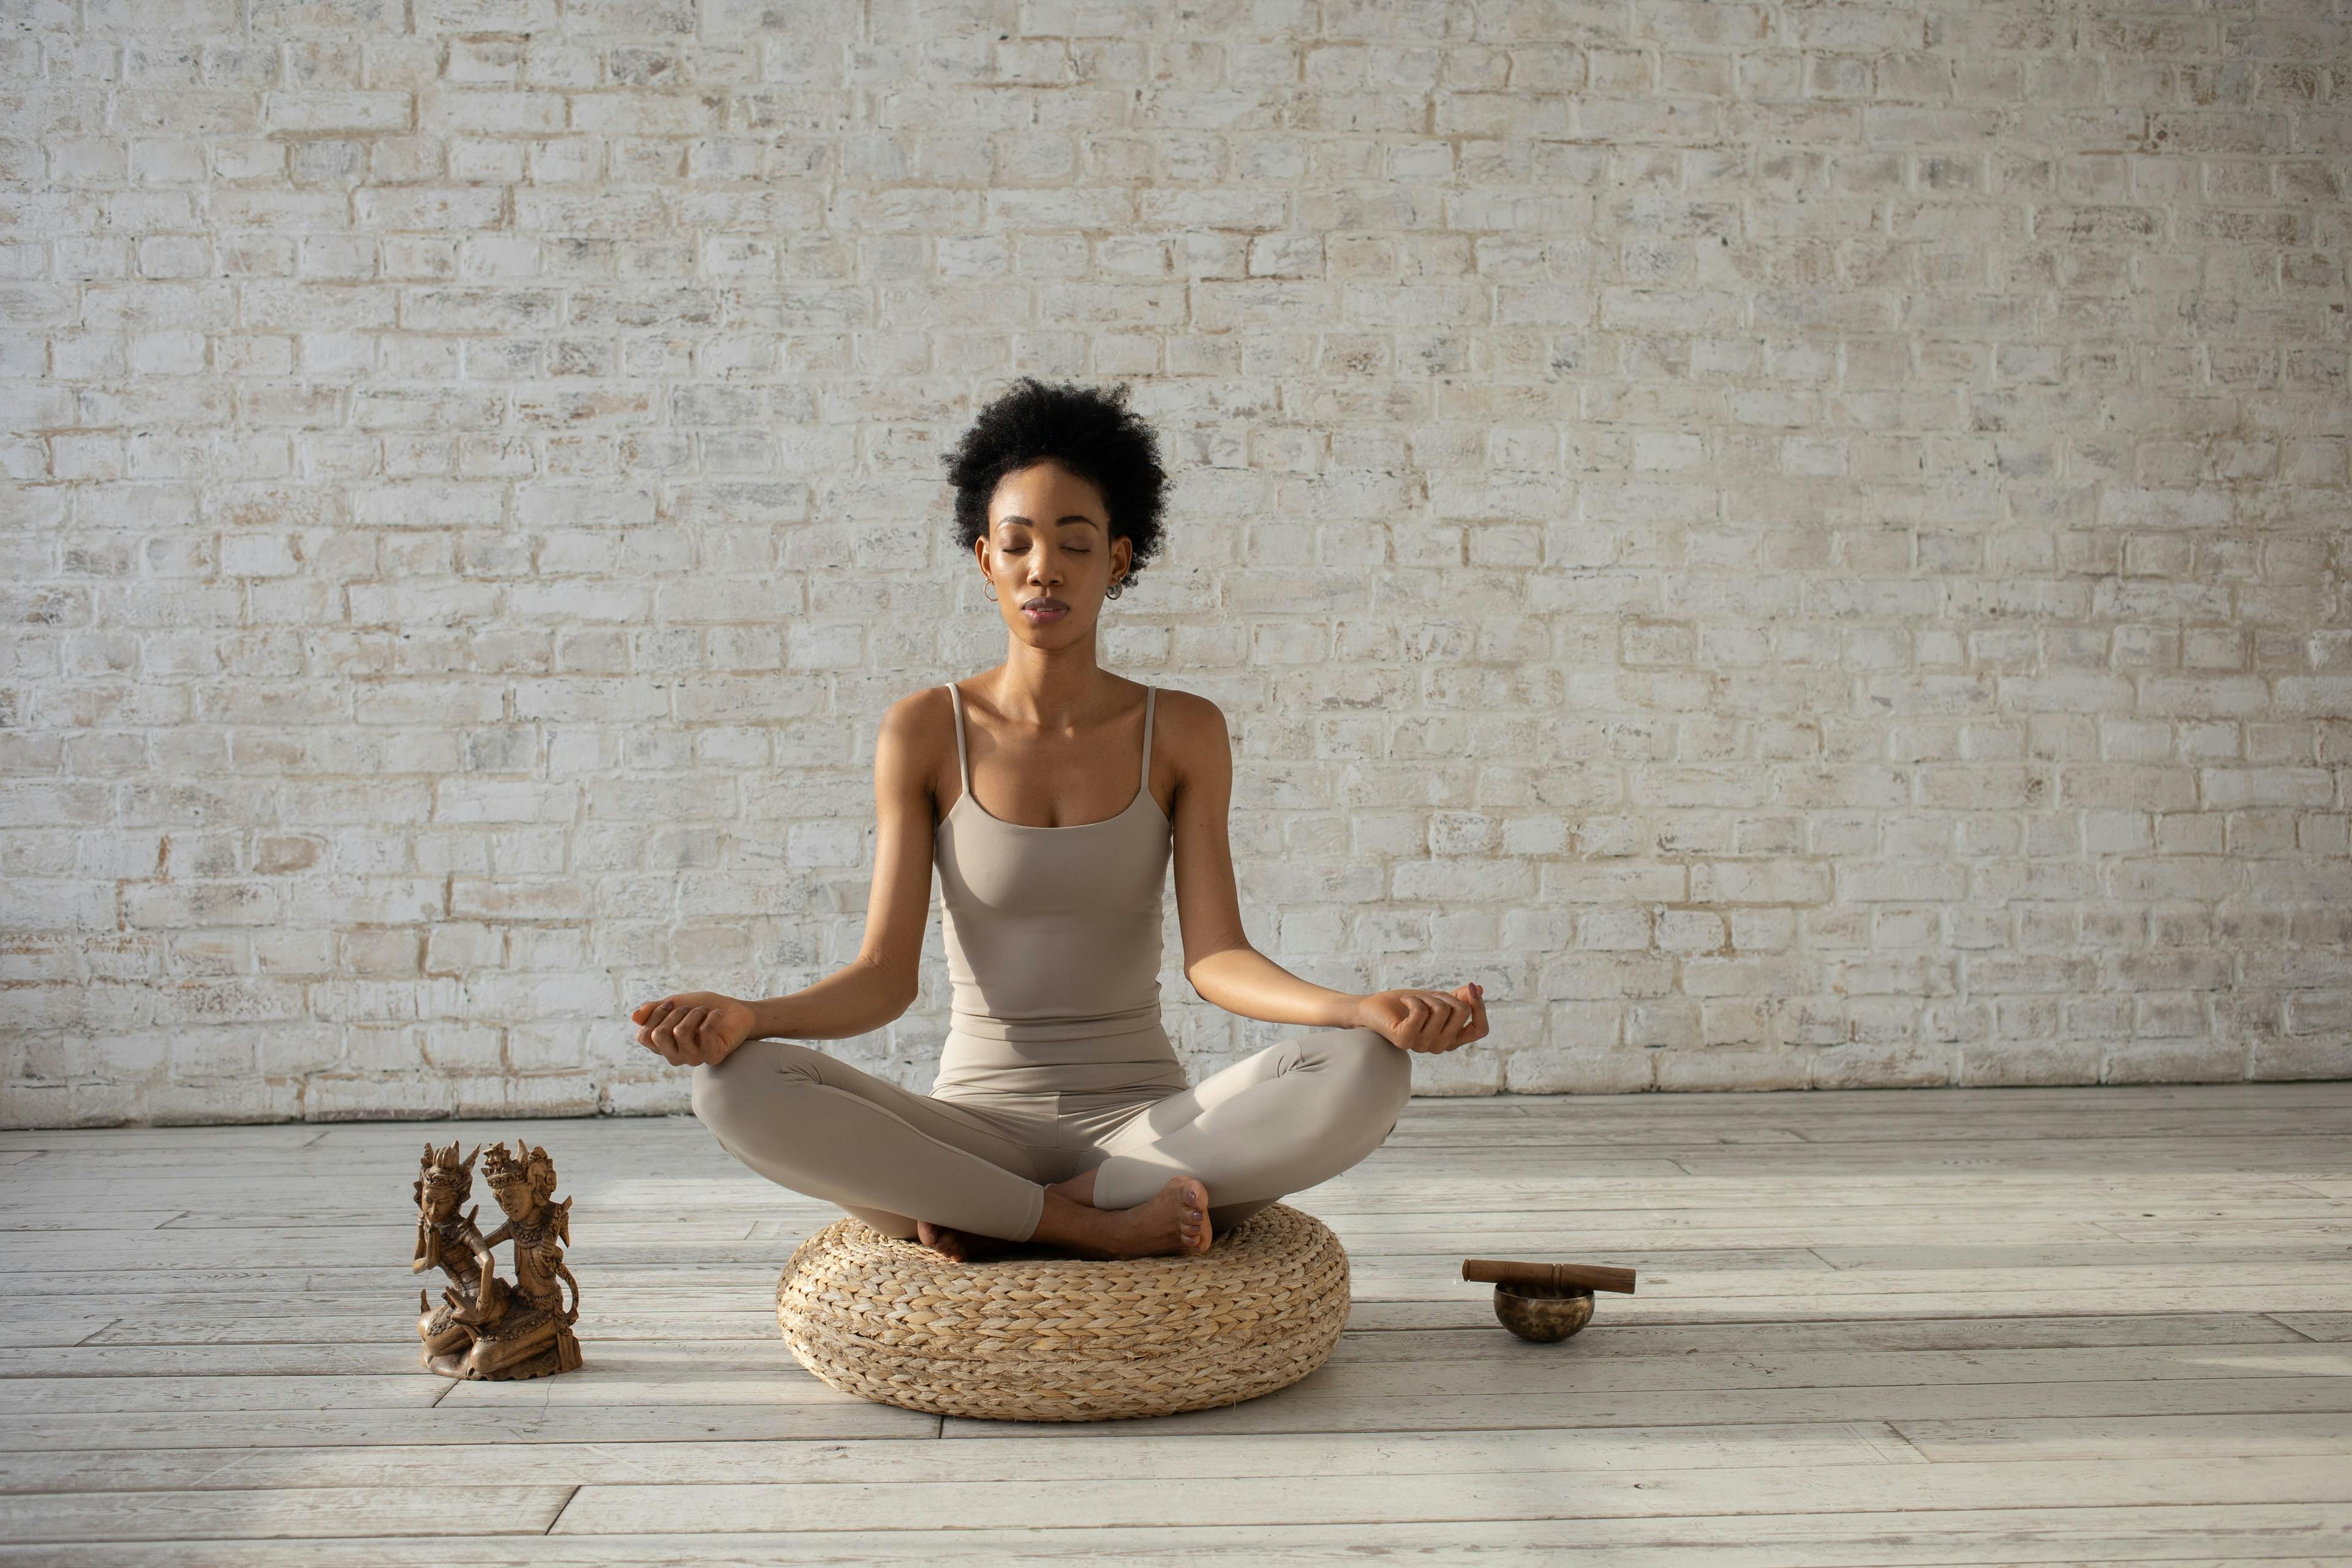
x=1091, y=432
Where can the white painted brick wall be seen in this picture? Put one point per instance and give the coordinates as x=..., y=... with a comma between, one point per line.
x=1800, y=544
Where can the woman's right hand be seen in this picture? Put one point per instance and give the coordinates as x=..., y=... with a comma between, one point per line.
x=693, y=1028
x=1421, y=1019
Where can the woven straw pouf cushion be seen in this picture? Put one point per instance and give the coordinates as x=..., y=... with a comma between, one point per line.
x=1067, y=1338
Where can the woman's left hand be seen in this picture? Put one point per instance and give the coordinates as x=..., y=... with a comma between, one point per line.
x=1420, y=1020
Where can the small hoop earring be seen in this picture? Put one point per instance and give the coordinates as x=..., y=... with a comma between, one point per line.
x=988, y=586
x=1116, y=589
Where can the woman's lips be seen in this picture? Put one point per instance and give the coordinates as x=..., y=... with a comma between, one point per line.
x=1043, y=610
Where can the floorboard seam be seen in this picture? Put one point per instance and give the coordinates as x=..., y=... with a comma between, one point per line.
x=2290, y=1328
x=1895, y=1430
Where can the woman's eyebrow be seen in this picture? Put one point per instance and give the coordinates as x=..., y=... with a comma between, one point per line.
x=1072, y=517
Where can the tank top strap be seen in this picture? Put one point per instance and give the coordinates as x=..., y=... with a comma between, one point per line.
x=964, y=768
x=1150, y=695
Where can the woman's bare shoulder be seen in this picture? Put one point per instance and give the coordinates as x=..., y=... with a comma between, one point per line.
x=1188, y=708
x=916, y=731
x=1194, y=728
x=923, y=705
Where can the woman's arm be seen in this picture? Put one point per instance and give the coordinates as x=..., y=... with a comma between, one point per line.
x=1219, y=961
x=878, y=985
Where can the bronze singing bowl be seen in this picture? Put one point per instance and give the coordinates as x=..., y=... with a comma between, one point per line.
x=1543, y=1312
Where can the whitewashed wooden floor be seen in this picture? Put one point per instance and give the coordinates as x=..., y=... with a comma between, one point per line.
x=2022, y=1326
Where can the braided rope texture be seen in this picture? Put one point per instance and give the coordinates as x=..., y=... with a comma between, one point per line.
x=1066, y=1339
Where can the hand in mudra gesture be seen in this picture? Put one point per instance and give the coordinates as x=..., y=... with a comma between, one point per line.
x=1422, y=1020
x=693, y=1028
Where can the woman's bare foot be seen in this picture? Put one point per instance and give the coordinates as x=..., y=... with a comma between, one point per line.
x=1175, y=1220
x=959, y=1246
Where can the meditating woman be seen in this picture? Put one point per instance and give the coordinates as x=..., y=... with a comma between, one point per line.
x=1048, y=791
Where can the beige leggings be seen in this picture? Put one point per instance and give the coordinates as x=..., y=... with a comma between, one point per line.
x=1289, y=1117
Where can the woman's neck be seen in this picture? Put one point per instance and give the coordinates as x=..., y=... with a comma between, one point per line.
x=1061, y=691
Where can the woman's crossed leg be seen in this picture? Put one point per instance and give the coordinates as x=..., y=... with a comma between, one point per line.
x=1291, y=1117
x=907, y=1163
x=1294, y=1115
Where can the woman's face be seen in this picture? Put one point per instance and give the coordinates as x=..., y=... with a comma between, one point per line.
x=1050, y=553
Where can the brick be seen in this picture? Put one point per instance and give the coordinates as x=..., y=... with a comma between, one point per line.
x=1761, y=883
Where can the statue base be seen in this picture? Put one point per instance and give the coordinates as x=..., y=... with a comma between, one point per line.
x=563, y=1354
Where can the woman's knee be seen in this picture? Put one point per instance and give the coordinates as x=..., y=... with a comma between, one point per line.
x=748, y=1083
x=1379, y=1071
x=714, y=1091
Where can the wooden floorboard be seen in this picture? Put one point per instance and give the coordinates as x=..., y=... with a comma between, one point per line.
x=1948, y=1327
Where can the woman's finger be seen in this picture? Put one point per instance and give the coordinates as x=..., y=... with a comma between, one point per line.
x=1400, y=1032
x=1441, y=1023
x=1453, y=1016
x=1441, y=1015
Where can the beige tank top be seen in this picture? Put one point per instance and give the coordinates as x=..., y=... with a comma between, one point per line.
x=1053, y=939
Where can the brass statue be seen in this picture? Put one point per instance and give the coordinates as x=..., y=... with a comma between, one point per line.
x=503, y=1332
x=450, y=1242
